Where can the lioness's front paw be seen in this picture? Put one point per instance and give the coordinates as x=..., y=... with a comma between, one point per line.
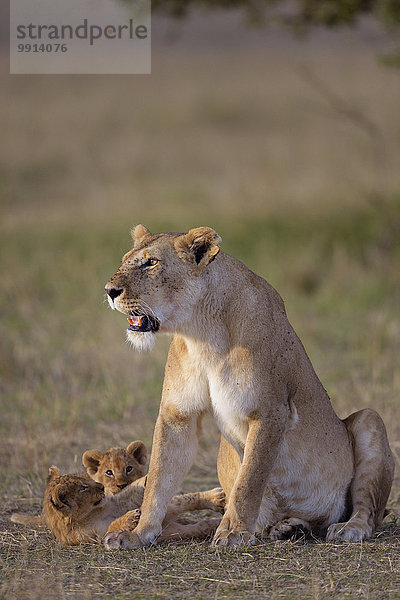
x=351, y=531
x=233, y=538
x=122, y=540
x=228, y=534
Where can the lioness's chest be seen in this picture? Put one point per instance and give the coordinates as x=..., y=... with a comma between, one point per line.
x=231, y=404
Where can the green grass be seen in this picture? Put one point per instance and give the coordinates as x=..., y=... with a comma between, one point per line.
x=287, y=184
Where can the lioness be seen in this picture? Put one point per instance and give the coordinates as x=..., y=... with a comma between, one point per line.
x=285, y=457
x=114, y=469
x=78, y=511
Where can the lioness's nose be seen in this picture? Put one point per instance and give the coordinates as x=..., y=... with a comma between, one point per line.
x=114, y=292
x=121, y=486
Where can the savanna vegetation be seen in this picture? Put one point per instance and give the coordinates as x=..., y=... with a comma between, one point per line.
x=298, y=14
x=302, y=181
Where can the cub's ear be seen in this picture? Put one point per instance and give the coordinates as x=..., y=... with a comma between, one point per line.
x=200, y=245
x=91, y=460
x=59, y=499
x=138, y=450
x=138, y=234
x=53, y=473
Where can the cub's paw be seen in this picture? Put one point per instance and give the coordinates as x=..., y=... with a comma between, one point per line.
x=122, y=540
x=350, y=531
x=128, y=521
x=132, y=519
x=288, y=528
x=217, y=499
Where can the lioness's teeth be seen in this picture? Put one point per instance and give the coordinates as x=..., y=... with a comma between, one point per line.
x=135, y=321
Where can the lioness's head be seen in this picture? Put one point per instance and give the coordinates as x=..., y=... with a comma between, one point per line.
x=159, y=281
x=71, y=495
x=117, y=467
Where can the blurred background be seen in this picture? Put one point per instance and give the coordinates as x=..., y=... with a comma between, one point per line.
x=287, y=146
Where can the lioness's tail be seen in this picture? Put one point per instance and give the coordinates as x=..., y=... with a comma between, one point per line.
x=37, y=520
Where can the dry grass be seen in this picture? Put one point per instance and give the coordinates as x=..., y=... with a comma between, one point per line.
x=284, y=570
x=250, y=148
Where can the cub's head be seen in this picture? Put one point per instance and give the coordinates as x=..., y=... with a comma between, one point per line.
x=71, y=495
x=159, y=281
x=117, y=467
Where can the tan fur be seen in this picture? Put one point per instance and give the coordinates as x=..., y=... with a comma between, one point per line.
x=285, y=456
x=126, y=464
x=117, y=467
x=77, y=510
x=32, y=520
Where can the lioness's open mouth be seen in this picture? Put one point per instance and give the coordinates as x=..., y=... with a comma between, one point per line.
x=142, y=323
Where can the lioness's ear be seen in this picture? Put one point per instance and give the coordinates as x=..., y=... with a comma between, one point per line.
x=200, y=245
x=91, y=460
x=59, y=499
x=138, y=233
x=53, y=473
x=138, y=450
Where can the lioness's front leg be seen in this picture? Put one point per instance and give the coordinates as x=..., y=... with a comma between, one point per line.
x=262, y=445
x=174, y=449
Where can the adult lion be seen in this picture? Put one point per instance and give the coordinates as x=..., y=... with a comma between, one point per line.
x=285, y=458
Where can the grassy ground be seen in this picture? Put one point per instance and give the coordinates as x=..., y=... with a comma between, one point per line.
x=287, y=181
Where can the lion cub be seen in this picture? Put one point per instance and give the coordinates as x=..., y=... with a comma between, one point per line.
x=115, y=469
x=78, y=511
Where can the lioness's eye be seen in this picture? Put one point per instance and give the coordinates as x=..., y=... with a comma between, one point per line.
x=128, y=469
x=84, y=488
x=151, y=262
x=109, y=473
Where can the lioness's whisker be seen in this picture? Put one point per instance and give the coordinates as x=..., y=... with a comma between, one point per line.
x=146, y=308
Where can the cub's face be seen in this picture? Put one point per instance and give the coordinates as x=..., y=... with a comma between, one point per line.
x=158, y=283
x=72, y=495
x=117, y=467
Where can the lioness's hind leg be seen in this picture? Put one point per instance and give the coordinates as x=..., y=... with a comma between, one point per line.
x=372, y=480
